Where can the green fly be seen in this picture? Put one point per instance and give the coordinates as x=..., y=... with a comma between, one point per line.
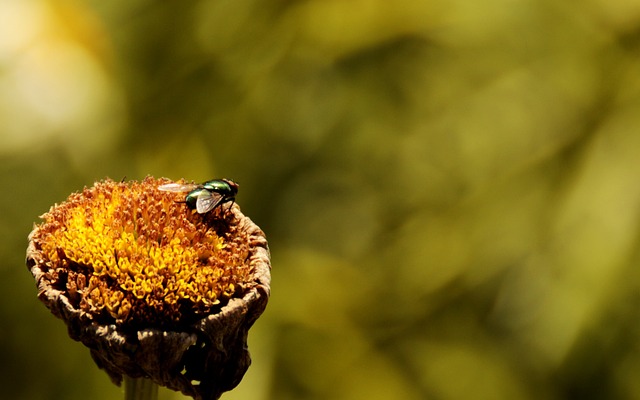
x=206, y=196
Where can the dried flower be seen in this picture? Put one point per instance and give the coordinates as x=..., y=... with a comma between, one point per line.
x=154, y=289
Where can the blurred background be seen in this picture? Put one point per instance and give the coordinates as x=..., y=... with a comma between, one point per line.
x=450, y=189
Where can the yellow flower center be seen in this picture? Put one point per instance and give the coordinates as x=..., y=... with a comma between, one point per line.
x=135, y=255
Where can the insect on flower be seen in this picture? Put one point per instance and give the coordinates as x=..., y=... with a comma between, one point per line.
x=206, y=196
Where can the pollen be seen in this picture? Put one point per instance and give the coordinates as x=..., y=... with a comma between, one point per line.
x=132, y=255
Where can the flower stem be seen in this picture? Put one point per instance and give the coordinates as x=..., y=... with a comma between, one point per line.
x=140, y=389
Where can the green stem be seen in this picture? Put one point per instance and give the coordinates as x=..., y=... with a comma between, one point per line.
x=140, y=389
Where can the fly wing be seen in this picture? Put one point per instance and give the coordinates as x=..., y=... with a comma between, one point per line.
x=207, y=201
x=176, y=187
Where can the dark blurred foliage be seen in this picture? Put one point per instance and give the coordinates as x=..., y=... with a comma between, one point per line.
x=450, y=190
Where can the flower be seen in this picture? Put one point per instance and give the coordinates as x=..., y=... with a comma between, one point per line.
x=153, y=288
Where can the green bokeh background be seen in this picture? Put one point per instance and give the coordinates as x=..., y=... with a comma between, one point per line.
x=450, y=189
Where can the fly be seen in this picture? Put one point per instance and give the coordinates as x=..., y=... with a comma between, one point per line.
x=206, y=196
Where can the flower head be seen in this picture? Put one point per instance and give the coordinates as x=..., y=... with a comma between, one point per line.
x=153, y=288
